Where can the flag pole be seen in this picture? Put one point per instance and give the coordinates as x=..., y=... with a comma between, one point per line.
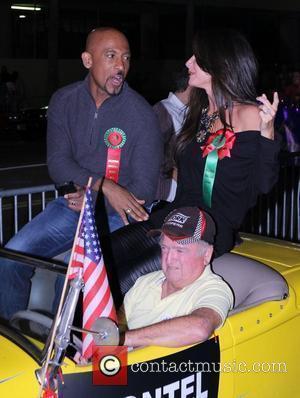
x=62, y=298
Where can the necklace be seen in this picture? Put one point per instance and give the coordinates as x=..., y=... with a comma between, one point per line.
x=205, y=124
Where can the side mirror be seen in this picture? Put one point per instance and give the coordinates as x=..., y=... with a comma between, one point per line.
x=107, y=332
x=104, y=331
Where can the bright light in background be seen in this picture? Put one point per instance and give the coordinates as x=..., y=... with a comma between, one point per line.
x=22, y=16
x=23, y=7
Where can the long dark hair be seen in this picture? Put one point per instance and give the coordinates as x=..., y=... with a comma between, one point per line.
x=228, y=57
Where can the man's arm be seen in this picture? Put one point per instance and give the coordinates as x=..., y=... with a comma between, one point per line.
x=147, y=156
x=176, y=332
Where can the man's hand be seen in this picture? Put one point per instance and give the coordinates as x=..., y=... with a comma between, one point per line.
x=124, y=202
x=267, y=114
x=75, y=199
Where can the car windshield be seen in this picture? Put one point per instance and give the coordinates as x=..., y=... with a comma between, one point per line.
x=31, y=325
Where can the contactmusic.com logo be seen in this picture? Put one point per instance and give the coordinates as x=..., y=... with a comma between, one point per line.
x=110, y=365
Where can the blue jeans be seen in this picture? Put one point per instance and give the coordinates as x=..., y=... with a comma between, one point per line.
x=47, y=235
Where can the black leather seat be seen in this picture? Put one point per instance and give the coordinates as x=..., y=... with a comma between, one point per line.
x=252, y=282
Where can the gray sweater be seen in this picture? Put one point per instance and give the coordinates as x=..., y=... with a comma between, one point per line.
x=75, y=138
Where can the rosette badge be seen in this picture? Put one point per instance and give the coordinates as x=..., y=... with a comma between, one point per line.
x=115, y=138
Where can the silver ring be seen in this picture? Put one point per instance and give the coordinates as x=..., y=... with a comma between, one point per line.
x=128, y=211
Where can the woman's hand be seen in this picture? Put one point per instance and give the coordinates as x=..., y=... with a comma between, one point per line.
x=267, y=114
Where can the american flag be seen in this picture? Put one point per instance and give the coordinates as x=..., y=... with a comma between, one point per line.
x=87, y=255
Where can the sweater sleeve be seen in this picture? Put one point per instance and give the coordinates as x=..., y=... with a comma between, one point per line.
x=147, y=155
x=267, y=174
x=62, y=166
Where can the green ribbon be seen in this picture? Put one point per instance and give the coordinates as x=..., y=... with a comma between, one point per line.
x=210, y=169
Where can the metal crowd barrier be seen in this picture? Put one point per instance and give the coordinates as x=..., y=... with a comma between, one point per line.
x=276, y=214
x=18, y=206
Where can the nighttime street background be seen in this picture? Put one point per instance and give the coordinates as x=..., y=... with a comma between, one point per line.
x=44, y=47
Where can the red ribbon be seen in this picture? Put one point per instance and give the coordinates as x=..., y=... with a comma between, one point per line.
x=48, y=393
x=224, y=150
x=113, y=164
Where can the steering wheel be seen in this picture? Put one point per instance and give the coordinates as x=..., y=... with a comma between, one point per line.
x=38, y=325
x=32, y=322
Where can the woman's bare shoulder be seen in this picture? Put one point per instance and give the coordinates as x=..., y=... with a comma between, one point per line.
x=245, y=117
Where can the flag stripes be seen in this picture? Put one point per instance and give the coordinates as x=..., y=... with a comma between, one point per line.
x=97, y=297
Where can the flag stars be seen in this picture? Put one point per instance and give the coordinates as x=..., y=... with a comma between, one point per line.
x=88, y=235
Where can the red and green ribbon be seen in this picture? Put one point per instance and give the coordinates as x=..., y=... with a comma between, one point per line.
x=114, y=139
x=217, y=147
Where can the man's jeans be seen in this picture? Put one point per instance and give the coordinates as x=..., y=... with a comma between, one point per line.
x=50, y=233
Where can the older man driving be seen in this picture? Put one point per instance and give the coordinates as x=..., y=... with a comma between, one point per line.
x=185, y=301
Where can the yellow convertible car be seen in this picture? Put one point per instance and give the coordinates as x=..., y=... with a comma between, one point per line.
x=255, y=354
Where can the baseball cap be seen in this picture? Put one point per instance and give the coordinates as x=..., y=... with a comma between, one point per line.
x=188, y=225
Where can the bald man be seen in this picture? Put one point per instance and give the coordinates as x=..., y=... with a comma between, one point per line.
x=91, y=115
x=98, y=128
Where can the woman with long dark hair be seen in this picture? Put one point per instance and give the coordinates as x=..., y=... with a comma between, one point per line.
x=226, y=154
